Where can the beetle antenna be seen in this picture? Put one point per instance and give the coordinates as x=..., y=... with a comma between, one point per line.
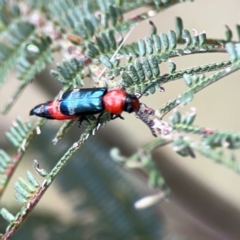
x=152, y=84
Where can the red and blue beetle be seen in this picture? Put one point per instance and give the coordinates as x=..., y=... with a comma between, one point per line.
x=87, y=101
x=81, y=102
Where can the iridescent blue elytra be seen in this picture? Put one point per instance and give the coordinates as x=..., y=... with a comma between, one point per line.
x=85, y=101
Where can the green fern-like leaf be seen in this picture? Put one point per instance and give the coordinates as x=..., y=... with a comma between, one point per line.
x=38, y=54
x=13, y=46
x=70, y=73
x=18, y=132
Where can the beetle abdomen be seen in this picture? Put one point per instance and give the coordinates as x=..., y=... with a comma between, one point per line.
x=50, y=110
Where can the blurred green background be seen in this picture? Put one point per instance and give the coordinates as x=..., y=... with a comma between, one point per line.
x=92, y=198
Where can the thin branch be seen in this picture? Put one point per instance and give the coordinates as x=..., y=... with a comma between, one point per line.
x=217, y=156
x=159, y=142
x=12, y=228
x=21, y=151
x=153, y=11
x=153, y=6
x=194, y=70
x=193, y=129
x=199, y=86
x=63, y=129
x=176, y=53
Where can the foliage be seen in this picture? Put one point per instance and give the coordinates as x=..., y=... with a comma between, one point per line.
x=90, y=37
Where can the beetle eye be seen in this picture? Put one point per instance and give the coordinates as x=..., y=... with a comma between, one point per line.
x=129, y=108
x=131, y=103
x=128, y=104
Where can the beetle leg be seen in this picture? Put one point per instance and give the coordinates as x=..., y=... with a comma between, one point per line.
x=81, y=119
x=98, y=118
x=113, y=116
x=80, y=122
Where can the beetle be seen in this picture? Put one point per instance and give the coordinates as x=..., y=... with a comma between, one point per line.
x=81, y=102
